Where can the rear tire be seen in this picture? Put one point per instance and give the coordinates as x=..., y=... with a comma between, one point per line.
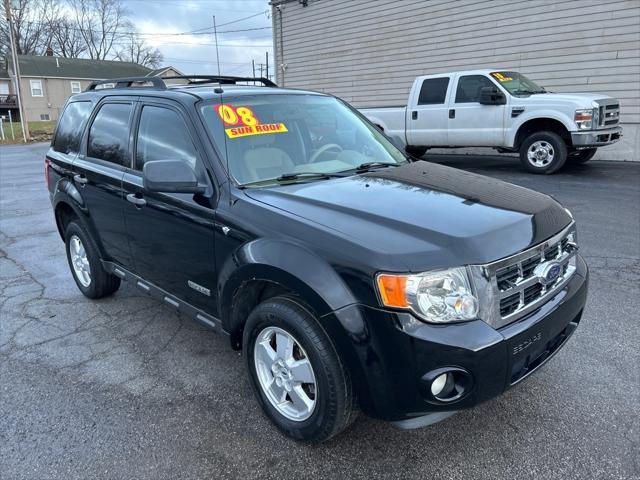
x=414, y=151
x=543, y=153
x=84, y=263
x=311, y=404
x=581, y=156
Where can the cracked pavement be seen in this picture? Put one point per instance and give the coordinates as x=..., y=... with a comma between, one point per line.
x=124, y=388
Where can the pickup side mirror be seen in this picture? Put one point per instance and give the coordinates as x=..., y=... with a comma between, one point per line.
x=492, y=96
x=170, y=176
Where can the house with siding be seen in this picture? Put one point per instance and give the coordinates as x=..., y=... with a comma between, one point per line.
x=47, y=81
x=369, y=51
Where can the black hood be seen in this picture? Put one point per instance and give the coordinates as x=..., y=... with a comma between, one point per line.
x=423, y=215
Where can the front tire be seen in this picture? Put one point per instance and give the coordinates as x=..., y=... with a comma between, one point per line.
x=414, y=151
x=296, y=373
x=84, y=262
x=581, y=156
x=543, y=153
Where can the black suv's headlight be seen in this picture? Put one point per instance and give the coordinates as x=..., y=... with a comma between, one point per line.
x=440, y=296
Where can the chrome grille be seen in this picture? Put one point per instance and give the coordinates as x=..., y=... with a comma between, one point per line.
x=518, y=283
x=608, y=113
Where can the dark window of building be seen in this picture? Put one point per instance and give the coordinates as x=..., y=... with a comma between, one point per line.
x=433, y=91
x=163, y=135
x=469, y=87
x=109, y=134
x=71, y=126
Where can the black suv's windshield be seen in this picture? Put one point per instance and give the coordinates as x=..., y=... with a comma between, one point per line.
x=517, y=84
x=283, y=138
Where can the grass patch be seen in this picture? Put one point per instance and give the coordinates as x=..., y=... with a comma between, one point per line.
x=40, y=132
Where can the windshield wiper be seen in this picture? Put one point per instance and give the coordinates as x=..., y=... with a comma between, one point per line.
x=304, y=175
x=292, y=176
x=367, y=166
x=528, y=92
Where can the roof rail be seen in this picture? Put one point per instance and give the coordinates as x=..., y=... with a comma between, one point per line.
x=222, y=79
x=156, y=82
x=159, y=84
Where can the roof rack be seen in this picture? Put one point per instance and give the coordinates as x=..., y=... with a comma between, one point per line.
x=222, y=79
x=158, y=83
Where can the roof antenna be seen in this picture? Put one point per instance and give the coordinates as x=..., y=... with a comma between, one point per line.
x=220, y=91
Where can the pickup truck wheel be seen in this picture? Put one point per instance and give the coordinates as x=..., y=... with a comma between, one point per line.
x=296, y=372
x=543, y=152
x=417, y=152
x=582, y=156
x=84, y=262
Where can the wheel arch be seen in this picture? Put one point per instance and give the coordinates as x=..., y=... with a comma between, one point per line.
x=266, y=268
x=69, y=205
x=541, y=124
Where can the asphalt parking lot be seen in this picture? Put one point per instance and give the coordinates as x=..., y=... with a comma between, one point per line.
x=124, y=388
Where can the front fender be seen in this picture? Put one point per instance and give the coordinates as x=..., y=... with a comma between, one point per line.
x=287, y=264
x=564, y=119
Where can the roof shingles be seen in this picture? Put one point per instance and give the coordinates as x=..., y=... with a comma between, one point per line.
x=43, y=66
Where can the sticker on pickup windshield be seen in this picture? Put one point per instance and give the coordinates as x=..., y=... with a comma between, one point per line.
x=243, y=122
x=500, y=77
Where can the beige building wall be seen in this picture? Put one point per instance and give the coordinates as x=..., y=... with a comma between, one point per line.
x=369, y=51
x=55, y=92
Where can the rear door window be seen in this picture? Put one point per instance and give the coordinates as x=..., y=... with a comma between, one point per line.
x=469, y=87
x=70, y=127
x=109, y=134
x=433, y=91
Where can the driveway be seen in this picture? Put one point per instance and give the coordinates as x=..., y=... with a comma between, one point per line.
x=124, y=388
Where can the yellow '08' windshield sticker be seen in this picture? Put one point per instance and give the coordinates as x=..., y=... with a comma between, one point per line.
x=243, y=122
x=500, y=77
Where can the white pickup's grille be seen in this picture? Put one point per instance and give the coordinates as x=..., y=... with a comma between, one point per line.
x=519, y=282
x=608, y=113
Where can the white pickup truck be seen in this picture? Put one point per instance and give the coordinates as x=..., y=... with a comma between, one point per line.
x=506, y=111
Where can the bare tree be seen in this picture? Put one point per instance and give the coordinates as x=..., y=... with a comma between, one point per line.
x=66, y=39
x=135, y=50
x=101, y=24
x=29, y=23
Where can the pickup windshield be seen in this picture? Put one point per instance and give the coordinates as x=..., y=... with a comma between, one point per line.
x=276, y=138
x=517, y=84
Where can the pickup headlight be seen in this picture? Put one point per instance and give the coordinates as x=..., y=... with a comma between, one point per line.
x=584, y=118
x=440, y=296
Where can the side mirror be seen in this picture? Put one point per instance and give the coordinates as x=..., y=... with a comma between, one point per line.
x=492, y=96
x=170, y=176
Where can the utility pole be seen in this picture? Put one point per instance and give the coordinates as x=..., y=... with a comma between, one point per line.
x=16, y=71
x=267, y=64
x=253, y=66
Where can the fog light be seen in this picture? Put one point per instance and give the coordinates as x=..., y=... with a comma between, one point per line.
x=438, y=384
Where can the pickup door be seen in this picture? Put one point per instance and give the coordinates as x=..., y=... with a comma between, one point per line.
x=427, y=113
x=470, y=123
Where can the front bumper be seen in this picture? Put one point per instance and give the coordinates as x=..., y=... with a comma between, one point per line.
x=391, y=353
x=596, y=138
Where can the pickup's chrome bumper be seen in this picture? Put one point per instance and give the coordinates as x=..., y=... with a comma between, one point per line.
x=596, y=138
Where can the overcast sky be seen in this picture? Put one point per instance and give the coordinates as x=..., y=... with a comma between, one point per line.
x=196, y=53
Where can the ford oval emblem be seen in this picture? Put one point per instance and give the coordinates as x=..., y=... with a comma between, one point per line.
x=548, y=272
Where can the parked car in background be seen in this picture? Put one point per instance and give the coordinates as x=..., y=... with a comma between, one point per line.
x=351, y=276
x=506, y=111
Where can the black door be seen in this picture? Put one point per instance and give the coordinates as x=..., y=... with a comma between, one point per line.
x=98, y=175
x=171, y=235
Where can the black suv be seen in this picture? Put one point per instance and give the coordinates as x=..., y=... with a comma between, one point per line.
x=352, y=276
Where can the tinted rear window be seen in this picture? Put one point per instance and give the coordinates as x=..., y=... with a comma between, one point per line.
x=109, y=134
x=433, y=91
x=71, y=126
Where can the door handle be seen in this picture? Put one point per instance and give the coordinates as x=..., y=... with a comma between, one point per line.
x=452, y=113
x=414, y=115
x=137, y=201
x=81, y=179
